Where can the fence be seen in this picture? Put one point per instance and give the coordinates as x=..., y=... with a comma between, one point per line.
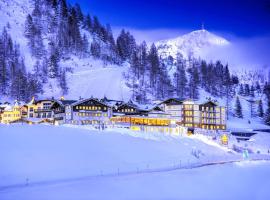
x=139, y=168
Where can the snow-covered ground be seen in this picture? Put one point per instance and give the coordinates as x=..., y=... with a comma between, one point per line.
x=77, y=162
x=92, y=77
x=231, y=181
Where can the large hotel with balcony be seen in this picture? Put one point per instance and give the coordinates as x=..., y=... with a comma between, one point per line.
x=173, y=112
x=188, y=113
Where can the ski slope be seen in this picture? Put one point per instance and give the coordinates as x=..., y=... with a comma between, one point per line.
x=90, y=77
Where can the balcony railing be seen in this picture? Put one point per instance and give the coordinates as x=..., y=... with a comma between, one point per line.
x=42, y=110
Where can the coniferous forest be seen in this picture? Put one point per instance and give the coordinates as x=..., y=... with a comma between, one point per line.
x=55, y=30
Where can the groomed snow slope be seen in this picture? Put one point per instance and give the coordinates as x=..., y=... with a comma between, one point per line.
x=91, y=78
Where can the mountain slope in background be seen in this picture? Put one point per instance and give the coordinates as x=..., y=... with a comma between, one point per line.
x=191, y=44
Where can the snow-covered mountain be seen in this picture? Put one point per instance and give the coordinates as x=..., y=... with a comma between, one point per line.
x=191, y=44
x=87, y=76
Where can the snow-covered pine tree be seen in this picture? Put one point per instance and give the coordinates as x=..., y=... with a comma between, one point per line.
x=193, y=84
x=258, y=88
x=204, y=75
x=227, y=84
x=241, y=89
x=266, y=91
x=238, y=108
x=3, y=68
x=62, y=33
x=95, y=49
x=135, y=76
x=252, y=91
x=75, y=39
x=154, y=68
x=180, y=79
x=260, y=111
x=79, y=13
x=246, y=90
x=125, y=45
x=34, y=86
x=164, y=87
x=53, y=62
x=87, y=23
x=63, y=82
x=142, y=72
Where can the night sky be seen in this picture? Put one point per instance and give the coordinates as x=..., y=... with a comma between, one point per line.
x=241, y=18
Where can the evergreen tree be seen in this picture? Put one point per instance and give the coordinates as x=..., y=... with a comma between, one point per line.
x=246, y=90
x=34, y=86
x=267, y=114
x=238, y=108
x=79, y=14
x=75, y=39
x=85, y=44
x=260, y=109
x=95, y=49
x=258, y=87
x=154, y=66
x=180, y=79
x=88, y=24
x=3, y=68
x=63, y=83
x=125, y=45
x=29, y=29
x=53, y=62
x=266, y=91
x=252, y=90
x=194, y=82
x=241, y=90
x=63, y=29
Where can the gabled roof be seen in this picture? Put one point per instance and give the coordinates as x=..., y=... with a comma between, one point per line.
x=209, y=102
x=38, y=101
x=67, y=102
x=130, y=104
x=64, y=102
x=178, y=100
x=89, y=99
x=111, y=102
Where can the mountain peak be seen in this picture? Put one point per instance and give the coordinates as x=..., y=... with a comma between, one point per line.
x=192, y=43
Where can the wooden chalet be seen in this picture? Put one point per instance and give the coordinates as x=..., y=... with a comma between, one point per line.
x=89, y=111
x=59, y=108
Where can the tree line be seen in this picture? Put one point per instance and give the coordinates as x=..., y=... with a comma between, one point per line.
x=15, y=81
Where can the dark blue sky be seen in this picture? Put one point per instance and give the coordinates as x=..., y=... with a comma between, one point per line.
x=242, y=18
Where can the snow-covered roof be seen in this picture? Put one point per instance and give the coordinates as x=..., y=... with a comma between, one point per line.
x=32, y=101
x=111, y=102
x=89, y=99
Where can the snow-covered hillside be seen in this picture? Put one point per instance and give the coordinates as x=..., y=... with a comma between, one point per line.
x=191, y=44
x=13, y=14
x=92, y=78
x=87, y=77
